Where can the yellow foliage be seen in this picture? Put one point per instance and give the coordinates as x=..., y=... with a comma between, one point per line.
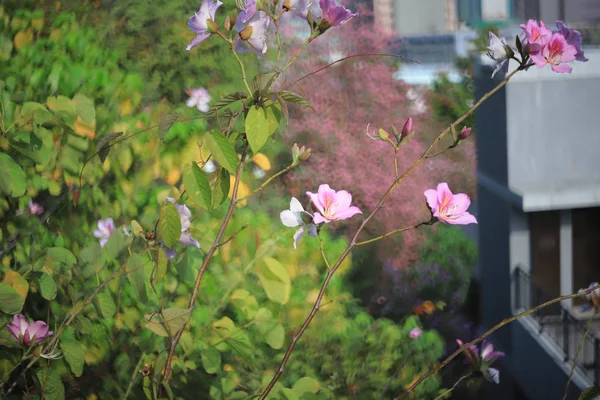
x=228, y=368
x=37, y=23
x=243, y=191
x=22, y=38
x=262, y=161
x=126, y=107
x=17, y=282
x=87, y=130
x=173, y=176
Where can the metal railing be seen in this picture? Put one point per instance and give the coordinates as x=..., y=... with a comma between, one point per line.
x=566, y=331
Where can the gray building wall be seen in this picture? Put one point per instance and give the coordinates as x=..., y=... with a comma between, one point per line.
x=422, y=17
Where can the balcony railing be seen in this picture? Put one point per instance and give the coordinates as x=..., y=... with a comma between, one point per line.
x=566, y=331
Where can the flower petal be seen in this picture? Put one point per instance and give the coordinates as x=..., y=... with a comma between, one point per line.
x=319, y=219
x=491, y=374
x=298, y=235
x=461, y=201
x=200, y=37
x=347, y=213
x=312, y=230
x=443, y=191
x=187, y=239
x=343, y=199
x=432, y=200
x=463, y=219
x=314, y=197
x=295, y=205
x=290, y=219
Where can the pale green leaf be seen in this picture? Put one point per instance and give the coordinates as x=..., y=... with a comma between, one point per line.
x=10, y=300
x=73, y=350
x=169, y=225
x=260, y=124
x=172, y=320
x=136, y=276
x=222, y=151
x=196, y=185
x=275, y=280
x=47, y=287
x=85, y=108
x=211, y=360
x=13, y=180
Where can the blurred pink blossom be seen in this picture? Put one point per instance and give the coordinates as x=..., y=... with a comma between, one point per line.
x=332, y=205
x=449, y=208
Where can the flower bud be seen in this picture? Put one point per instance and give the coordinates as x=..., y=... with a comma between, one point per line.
x=286, y=5
x=383, y=135
x=211, y=25
x=227, y=24
x=304, y=153
x=246, y=33
x=233, y=18
x=407, y=128
x=465, y=133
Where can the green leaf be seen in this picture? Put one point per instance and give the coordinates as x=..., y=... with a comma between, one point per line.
x=272, y=331
x=166, y=122
x=169, y=225
x=288, y=394
x=211, y=360
x=228, y=99
x=136, y=276
x=220, y=189
x=260, y=124
x=159, y=364
x=51, y=384
x=17, y=282
x=35, y=112
x=590, y=393
x=13, y=180
x=196, y=185
x=306, y=385
x=33, y=149
x=85, y=108
x=102, y=145
x=61, y=255
x=222, y=151
x=105, y=304
x=10, y=300
x=275, y=279
x=47, y=287
x=172, y=319
x=63, y=107
x=161, y=265
x=262, y=81
x=73, y=351
x=294, y=98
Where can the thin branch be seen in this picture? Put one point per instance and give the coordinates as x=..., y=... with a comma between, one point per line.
x=347, y=58
x=207, y=258
x=430, y=222
x=134, y=375
x=353, y=242
x=488, y=333
x=230, y=238
x=443, y=395
x=265, y=183
x=578, y=353
x=323, y=252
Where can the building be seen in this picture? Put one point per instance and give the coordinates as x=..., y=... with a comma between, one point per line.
x=538, y=148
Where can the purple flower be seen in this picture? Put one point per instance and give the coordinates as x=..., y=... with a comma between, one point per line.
x=197, y=22
x=258, y=27
x=415, y=333
x=185, y=238
x=334, y=14
x=33, y=208
x=245, y=16
x=538, y=36
x=25, y=332
x=106, y=227
x=483, y=361
x=293, y=217
x=297, y=7
x=332, y=205
x=573, y=37
x=199, y=98
x=497, y=50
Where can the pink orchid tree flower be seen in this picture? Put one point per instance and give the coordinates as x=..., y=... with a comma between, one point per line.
x=332, y=205
x=293, y=218
x=26, y=332
x=573, y=37
x=538, y=35
x=335, y=14
x=556, y=53
x=106, y=227
x=449, y=208
x=484, y=360
x=415, y=333
x=33, y=208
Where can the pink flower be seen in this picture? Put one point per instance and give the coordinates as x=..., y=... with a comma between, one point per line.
x=334, y=14
x=332, y=205
x=449, y=208
x=25, y=332
x=106, y=227
x=484, y=360
x=538, y=36
x=556, y=53
x=415, y=333
x=32, y=209
x=199, y=98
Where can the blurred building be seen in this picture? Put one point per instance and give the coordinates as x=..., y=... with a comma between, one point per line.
x=538, y=196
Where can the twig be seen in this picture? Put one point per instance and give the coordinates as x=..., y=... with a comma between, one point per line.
x=443, y=395
x=207, y=258
x=230, y=238
x=134, y=376
x=394, y=232
x=579, y=348
x=265, y=183
x=353, y=242
x=488, y=333
x=323, y=252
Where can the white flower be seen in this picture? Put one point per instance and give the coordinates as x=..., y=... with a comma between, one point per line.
x=293, y=217
x=498, y=50
x=106, y=227
x=209, y=167
x=199, y=98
